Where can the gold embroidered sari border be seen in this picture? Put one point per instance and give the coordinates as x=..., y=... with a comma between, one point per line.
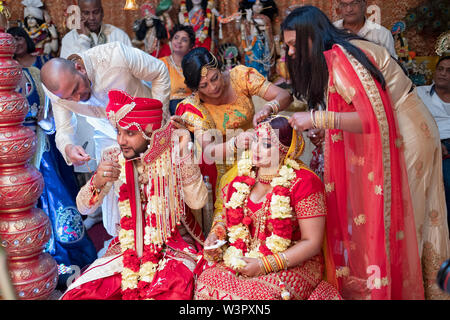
x=374, y=96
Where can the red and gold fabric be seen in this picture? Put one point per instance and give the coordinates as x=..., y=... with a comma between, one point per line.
x=370, y=228
x=219, y=282
x=159, y=239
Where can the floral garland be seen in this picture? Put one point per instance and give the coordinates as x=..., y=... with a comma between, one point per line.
x=247, y=49
x=277, y=218
x=207, y=22
x=137, y=273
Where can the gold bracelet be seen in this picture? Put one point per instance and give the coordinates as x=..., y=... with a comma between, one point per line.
x=330, y=124
x=273, y=263
x=319, y=119
x=266, y=264
x=285, y=260
x=279, y=261
x=313, y=121
x=261, y=266
x=338, y=121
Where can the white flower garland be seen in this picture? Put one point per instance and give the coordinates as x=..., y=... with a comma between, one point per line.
x=280, y=208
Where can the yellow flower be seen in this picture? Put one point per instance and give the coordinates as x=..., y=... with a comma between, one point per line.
x=277, y=244
x=244, y=167
x=287, y=173
x=254, y=253
x=280, y=181
x=241, y=187
x=124, y=208
x=126, y=238
x=129, y=279
x=232, y=258
x=239, y=231
x=122, y=176
x=280, y=207
x=236, y=200
x=147, y=271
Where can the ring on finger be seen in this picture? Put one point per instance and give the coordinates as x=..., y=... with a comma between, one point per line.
x=105, y=173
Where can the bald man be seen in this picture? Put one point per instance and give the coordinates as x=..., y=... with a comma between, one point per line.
x=92, y=30
x=81, y=85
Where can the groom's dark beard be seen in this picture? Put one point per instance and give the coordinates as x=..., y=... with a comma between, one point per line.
x=138, y=151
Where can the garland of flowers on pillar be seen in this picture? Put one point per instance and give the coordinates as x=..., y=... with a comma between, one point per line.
x=277, y=215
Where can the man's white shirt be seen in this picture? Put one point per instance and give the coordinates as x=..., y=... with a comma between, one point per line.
x=374, y=32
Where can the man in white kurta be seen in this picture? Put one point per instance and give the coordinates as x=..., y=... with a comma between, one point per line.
x=354, y=19
x=92, y=32
x=104, y=67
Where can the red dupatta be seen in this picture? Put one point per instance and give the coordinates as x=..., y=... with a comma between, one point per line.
x=371, y=234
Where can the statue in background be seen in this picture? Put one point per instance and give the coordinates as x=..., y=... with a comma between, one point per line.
x=162, y=11
x=39, y=26
x=151, y=34
x=199, y=14
x=256, y=34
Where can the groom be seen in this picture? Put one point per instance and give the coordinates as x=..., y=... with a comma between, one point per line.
x=156, y=252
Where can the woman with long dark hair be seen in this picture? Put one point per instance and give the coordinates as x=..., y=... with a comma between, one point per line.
x=384, y=184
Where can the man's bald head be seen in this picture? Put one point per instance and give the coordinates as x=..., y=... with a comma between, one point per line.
x=66, y=79
x=54, y=70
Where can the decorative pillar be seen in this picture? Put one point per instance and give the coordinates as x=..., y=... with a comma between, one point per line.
x=24, y=229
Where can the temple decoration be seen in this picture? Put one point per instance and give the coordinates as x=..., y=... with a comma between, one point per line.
x=162, y=11
x=38, y=23
x=256, y=34
x=130, y=5
x=199, y=14
x=4, y=16
x=151, y=33
x=24, y=229
x=443, y=44
x=229, y=56
x=401, y=42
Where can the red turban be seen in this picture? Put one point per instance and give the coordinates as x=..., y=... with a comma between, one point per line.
x=133, y=113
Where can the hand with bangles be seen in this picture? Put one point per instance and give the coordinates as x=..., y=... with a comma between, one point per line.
x=217, y=233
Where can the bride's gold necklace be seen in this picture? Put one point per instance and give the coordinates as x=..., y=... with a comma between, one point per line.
x=266, y=178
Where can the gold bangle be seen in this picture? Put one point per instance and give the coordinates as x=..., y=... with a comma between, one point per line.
x=338, y=121
x=330, y=124
x=285, y=260
x=279, y=261
x=266, y=265
x=261, y=266
x=313, y=121
x=273, y=263
x=319, y=123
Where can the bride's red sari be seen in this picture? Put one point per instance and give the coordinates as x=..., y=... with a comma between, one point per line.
x=370, y=228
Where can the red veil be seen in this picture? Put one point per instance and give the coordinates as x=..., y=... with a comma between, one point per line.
x=371, y=235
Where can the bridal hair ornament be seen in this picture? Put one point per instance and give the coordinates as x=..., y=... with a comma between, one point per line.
x=213, y=64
